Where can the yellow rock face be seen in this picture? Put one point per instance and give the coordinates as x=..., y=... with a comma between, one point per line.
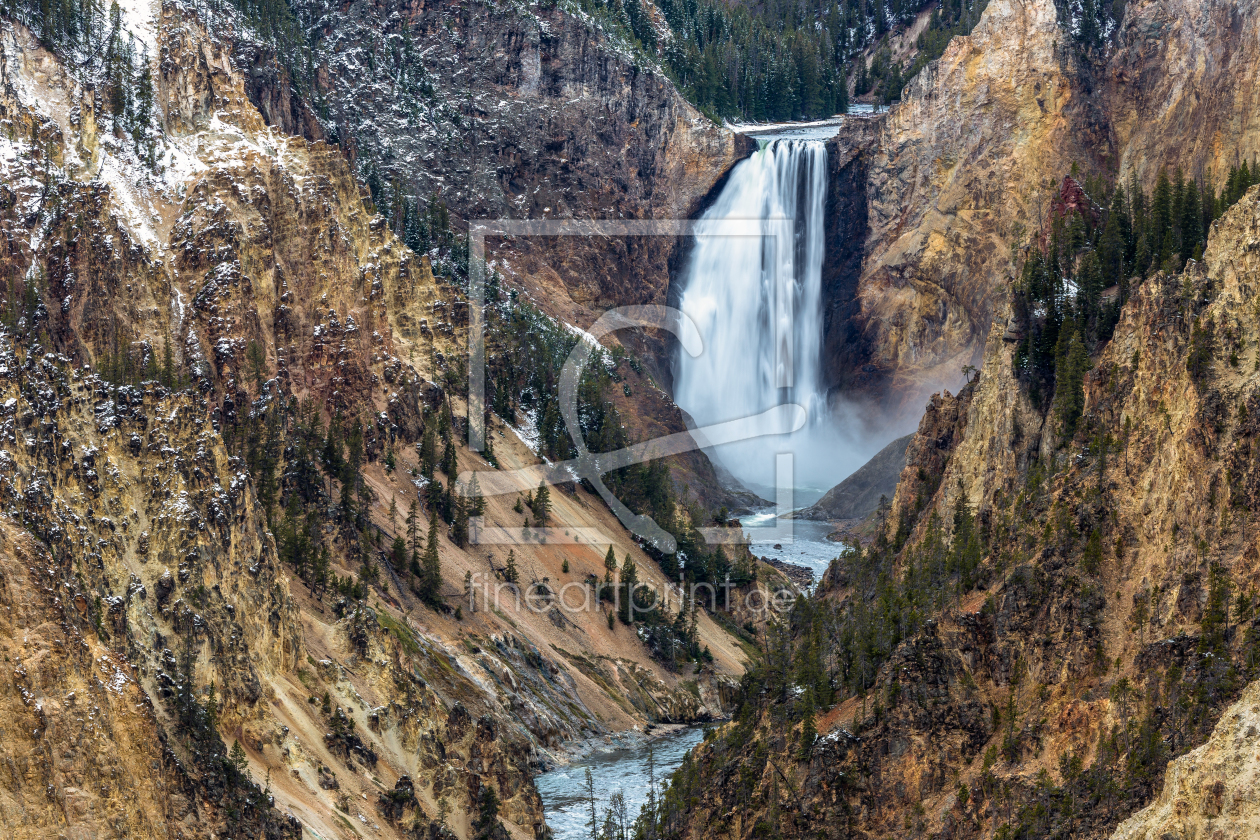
x=1212, y=791
x=956, y=175
x=961, y=171
x=137, y=564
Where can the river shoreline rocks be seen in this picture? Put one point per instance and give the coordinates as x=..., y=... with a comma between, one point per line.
x=801, y=576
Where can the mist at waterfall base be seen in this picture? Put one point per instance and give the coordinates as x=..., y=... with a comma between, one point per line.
x=758, y=309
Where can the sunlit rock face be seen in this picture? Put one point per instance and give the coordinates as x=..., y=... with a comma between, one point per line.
x=161, y=302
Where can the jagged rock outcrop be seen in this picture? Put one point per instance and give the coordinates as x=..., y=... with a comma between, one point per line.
x=154, y=311
x=1211, y=791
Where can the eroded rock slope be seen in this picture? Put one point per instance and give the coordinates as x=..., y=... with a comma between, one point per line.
x=260, y=668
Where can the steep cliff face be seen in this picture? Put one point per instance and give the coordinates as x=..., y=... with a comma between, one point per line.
x=526, y=112
x=846, y=352
x=1210, y=792
x=1147, y=514
x=83, y=742
x=951, y=187
x=958, y=177
x=1108, y=622
x=164, y=320
x=1179, y=89
x=523, y=112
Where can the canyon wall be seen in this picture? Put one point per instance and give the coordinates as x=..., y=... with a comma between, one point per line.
x=1045, y=698
x=1179, y=90
x=523, y=113
x=960, y=178
x=1108, y=624
x=953, y=188
x=530, y=112
x=157, y=618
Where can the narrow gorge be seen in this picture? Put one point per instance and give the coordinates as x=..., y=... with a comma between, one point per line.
x=920, y=502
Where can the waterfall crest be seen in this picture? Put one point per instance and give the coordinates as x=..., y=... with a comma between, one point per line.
x=757, y=301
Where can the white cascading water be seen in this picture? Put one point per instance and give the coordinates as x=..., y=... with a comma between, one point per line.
x=742, y=292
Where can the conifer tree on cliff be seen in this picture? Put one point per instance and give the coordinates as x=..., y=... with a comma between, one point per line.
x=610, y=565
x=487, y=823
x=541, y=505
x=430, y=587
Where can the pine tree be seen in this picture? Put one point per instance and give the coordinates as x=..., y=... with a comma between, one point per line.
x=809, y=729
x=413, y=531
x=610, y=565
x=1176, y=208
x=541, y=505
x=1089, y=287
x=459, y=520
x=240, y=761
x=145, y=146
x=1143, y=256
x=1112, y=245
x=446, y=422
x=488, y=452
x=428, y=452
x=450, y=464
x=1215, y=622
x=590, y=800
x=431, y=570
x=487, y=814
x=1191, y=219
x=319, y=576
x=1161, y=217
x=212, y=707
x=629, y=577
x=510, y=574
x=1069, y=395
x=966, y=552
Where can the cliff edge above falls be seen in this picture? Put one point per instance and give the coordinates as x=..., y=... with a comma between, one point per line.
x=959, y=180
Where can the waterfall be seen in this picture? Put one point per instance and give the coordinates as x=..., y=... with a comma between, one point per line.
x=757, y=301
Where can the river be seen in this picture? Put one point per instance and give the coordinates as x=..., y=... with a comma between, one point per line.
x=757, y=303
x=613, y=769
x=809, y=546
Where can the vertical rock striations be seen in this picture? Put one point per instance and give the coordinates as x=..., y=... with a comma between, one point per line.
x=164, y=323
